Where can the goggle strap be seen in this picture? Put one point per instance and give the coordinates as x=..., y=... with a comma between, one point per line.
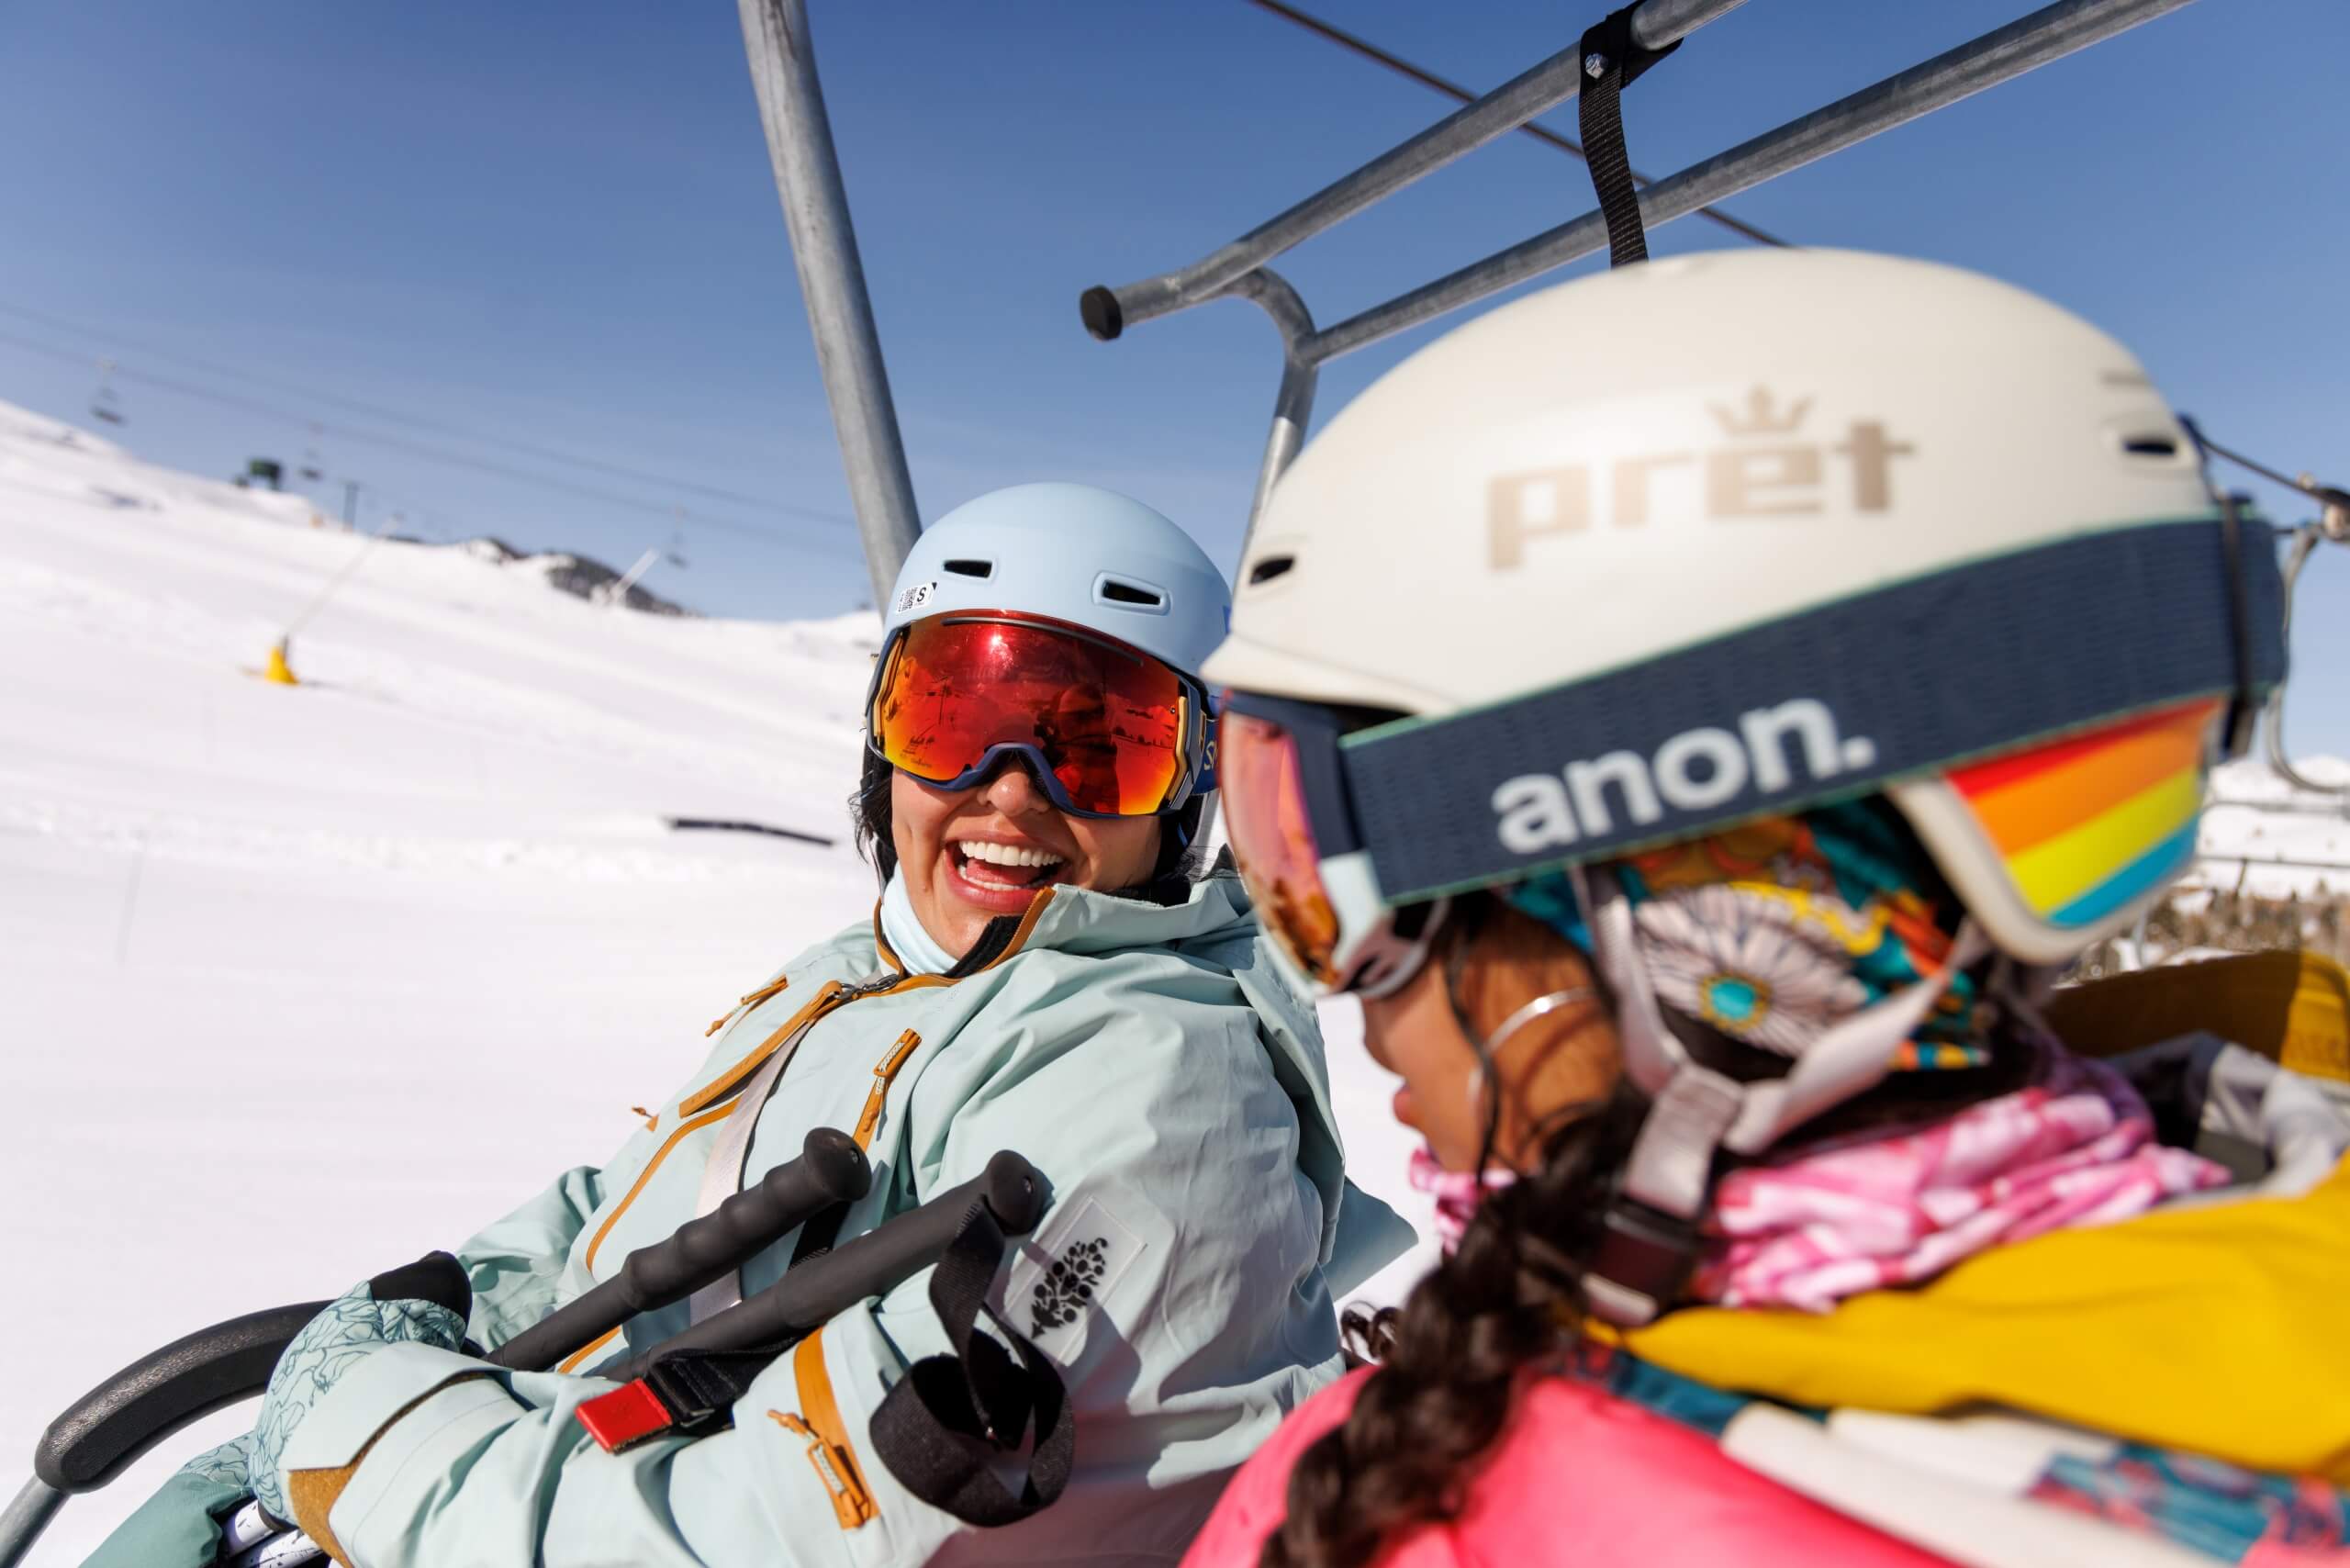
x=1815, y=706
x=2244, y=710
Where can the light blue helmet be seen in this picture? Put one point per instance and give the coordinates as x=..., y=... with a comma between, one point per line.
x=1076, y=552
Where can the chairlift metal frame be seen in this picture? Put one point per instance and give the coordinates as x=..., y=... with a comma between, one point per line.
x=799, y=145
x=783, y=71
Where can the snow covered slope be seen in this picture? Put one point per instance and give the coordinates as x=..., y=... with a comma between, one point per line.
x=295, y=984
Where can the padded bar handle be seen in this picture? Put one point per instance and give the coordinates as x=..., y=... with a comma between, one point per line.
x=159, y=1394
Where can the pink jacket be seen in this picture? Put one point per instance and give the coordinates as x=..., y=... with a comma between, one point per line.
x=1580, y=1480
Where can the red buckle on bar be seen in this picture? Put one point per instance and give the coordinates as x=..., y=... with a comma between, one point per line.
x=625, y=1415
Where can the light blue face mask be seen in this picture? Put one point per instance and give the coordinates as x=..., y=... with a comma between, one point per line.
x=907, y=935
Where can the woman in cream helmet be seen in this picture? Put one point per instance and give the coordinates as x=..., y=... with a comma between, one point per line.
x=1695, y=709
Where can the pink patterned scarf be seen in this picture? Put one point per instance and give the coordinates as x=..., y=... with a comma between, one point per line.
x=2076, y=1147
x=1457, y=1192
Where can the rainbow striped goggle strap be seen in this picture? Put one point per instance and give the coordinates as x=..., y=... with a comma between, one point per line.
x=1926, y=681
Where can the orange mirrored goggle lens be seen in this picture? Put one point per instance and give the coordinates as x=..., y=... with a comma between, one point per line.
x=1107, y=724
x=1265, y=816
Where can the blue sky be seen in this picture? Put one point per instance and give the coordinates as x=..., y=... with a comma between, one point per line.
x=552, y=228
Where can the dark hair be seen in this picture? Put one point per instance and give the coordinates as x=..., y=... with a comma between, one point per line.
x=1452, y=1356
x=1182, y=859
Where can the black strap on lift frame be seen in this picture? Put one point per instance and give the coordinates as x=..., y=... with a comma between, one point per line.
x=1611, y=63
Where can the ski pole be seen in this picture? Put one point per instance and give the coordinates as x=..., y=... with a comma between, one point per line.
x=102, y=1433
x=805, y=1299
x=830, y=1169
x=884, y=1258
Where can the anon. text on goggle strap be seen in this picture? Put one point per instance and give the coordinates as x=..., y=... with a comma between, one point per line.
x=1814, y=706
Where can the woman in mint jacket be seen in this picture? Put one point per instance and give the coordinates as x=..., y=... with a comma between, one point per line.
x=1045, y=972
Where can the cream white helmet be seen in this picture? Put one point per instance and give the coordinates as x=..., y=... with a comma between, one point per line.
x=1651, y=553
x=1731, y=533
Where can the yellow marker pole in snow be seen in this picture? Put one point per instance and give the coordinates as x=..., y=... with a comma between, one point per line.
x=277, y=671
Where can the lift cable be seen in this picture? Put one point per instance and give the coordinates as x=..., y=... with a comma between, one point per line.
x=416, y=422
x=843, y=547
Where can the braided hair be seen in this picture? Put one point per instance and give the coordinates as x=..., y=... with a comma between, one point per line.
x=1450, y=1359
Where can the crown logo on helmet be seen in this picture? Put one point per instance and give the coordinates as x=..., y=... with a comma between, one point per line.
x=1760, y=418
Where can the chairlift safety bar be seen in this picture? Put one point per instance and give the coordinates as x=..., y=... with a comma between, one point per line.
x=1238, y=269
x=1655, y=24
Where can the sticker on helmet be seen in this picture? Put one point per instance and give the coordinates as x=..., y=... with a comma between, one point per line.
x=914, y=598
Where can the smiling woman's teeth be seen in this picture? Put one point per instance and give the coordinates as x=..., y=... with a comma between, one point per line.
x=1009, y=854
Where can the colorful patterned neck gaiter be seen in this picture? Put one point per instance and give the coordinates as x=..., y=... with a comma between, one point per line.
x=1777, y=930
x=2074, y=1147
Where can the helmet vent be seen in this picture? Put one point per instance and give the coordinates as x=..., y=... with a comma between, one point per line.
x=1268, y=568
x=1109, y=590
x=980, y=569
x=2150, y=445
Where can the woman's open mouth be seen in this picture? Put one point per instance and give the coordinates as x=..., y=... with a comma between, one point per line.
x=1003, y=878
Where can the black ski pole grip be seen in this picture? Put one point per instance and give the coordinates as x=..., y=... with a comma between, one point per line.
x=159, y=1394
x=1015, y=1193
x=873, y=1264
x=830, y=1169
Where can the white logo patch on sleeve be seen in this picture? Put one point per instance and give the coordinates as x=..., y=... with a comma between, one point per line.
x=1064, y=1272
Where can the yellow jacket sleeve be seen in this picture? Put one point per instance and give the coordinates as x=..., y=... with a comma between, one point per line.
x=2216, y=1329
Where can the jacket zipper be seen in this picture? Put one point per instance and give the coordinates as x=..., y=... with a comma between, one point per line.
x=828, y=1447
x=750, y=999
x=885, y=1073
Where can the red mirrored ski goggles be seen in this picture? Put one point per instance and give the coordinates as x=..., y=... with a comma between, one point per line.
x=1108, y=732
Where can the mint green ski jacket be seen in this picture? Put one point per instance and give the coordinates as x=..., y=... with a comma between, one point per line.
x=1147, y=1059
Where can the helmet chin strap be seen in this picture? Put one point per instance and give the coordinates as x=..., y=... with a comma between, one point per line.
x=1651, y=1226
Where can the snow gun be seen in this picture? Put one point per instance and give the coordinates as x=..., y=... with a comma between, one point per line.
x=103, y=1432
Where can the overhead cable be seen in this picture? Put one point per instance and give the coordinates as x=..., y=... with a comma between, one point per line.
x=419, y=421
x=673, y=514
